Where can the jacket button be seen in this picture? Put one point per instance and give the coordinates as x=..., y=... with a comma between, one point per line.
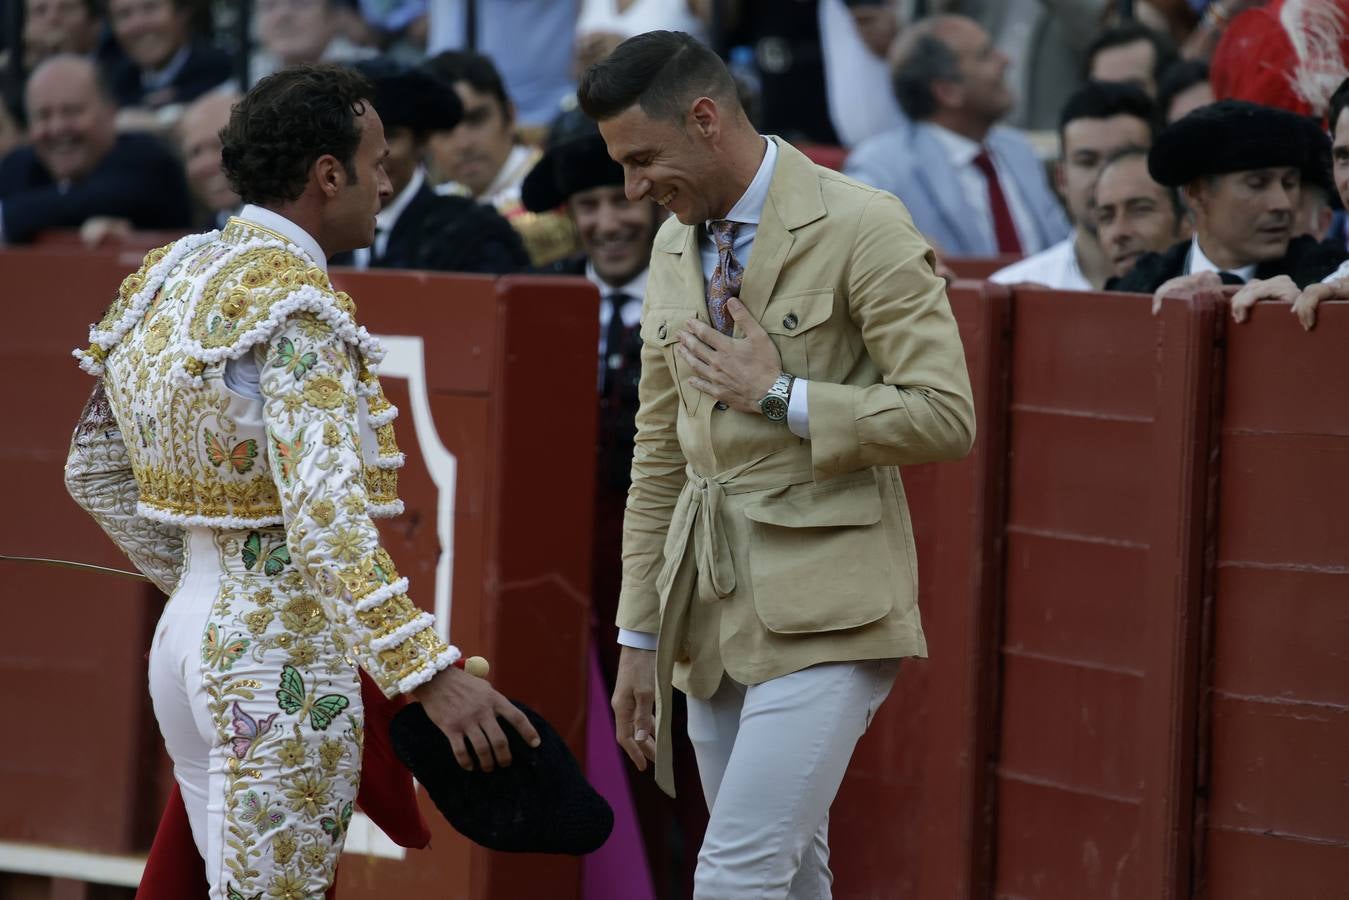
x=721, y=405
x=790, y=321
x=660, y=332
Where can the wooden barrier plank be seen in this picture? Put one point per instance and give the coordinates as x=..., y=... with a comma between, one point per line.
x=1258, y=866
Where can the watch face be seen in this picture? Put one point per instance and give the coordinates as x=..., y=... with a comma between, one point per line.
x=773, y=408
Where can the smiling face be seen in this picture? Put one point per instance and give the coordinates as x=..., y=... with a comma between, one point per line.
x=616, y=233
x=1245, y=217
x=148, y=31
x=1134, y=214
x=673, y=164
x=59, y=26
x=71, y=123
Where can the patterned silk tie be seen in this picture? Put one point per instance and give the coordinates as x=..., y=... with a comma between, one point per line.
x=726, y=277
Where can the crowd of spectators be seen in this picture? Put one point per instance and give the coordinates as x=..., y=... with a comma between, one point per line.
x=1090, y=143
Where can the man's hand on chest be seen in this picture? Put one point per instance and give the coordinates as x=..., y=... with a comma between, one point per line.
x=738, y=372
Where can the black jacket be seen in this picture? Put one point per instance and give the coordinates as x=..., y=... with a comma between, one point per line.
x=138, y=180
x=206, y=67
x=452, y=234
x=1306, y=262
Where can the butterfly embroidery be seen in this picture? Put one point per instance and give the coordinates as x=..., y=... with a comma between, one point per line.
x=147, y=429
x=336, y=825
x=292, y=360
x=222, y=652
x=257, y=812
x=247, y=730
x=293, y=698
x=287, y=455
x=240, y=456
x=276, y=560
x=233, y=893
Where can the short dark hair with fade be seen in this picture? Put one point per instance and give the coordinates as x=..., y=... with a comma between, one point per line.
x=1163, y=48
x=285, y=123
x=1106, y=99
x=475, y=70
x=1178, y=78
x=660, y=71
x=1172, y=193
x=1338, y=102
x=928, y=59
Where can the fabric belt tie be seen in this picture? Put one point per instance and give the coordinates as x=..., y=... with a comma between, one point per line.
x=698, y=560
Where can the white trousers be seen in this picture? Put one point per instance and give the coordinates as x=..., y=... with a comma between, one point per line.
x=261, y=715
x=771, y=757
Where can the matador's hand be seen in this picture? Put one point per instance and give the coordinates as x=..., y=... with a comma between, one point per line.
x=736, y=372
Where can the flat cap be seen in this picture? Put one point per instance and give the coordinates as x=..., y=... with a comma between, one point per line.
x=1234, y=136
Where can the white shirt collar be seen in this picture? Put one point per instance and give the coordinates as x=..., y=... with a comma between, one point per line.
x=749, y=208
x=394, y=208
x=961, y=149
x=636, y=288
x=285, y=229
x=1199, y=262
x=163, y=77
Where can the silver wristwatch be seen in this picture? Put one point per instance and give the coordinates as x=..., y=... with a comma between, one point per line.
x=774, y=404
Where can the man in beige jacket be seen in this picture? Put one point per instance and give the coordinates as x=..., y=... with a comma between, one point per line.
x=797, y=348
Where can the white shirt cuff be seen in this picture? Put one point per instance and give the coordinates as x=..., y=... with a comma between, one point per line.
x=798, y=409
x=638, y=640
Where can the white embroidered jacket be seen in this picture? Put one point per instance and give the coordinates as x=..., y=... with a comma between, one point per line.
x=166, y=442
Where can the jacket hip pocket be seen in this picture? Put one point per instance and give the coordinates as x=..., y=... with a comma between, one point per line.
x=819, y=556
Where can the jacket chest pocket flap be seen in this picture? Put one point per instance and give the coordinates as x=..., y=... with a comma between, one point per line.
x=819, y=557
x=660, y=328
x=792, y=320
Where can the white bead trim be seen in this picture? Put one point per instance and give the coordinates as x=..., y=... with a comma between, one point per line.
x=385, y=510
x=447, y=658
x=391, y=462
x=198, y=519
x=384, y=592
x=379, y=420
x=403, y=632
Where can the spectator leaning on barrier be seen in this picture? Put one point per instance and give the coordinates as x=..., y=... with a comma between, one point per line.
x=1130, y=53
x=1098, y=121
x=79, y=167
x=973, y=188
x=481, y=159
x=416, y=228
x=1240, y=168
x=1334, y=286
x=165, y=63
x=198, y=133
x=1134, y=214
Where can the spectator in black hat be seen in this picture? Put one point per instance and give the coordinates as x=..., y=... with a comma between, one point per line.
x=418, y=229
x=1240, y=168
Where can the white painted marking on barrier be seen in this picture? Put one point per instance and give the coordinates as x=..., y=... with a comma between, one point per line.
x=54, y=862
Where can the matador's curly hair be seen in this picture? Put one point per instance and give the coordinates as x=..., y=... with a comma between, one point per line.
x=286, y=122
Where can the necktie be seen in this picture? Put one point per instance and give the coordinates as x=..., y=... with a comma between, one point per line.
x=1003, y=227
x=615, y=339
x=726, y=277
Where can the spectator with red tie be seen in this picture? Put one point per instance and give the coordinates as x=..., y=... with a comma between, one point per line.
x=973, y=188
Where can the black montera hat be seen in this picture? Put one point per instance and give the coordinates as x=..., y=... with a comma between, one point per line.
x=411, y=98
x=572, y=166
x=1234, y=136
x=540, y=803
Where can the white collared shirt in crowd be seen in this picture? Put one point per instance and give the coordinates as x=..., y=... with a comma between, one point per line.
x=974, y=185
x=1054, y=267
x=1197, y=261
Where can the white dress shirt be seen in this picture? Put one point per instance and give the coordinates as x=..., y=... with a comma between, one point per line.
x=1197, y=261
x=632, y=309
x=1341, y=273
x=962, y=152
x=1054, y=267
x=241, y=374
x=386, y=219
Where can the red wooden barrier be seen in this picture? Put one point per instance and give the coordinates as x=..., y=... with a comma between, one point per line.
x=978, y=267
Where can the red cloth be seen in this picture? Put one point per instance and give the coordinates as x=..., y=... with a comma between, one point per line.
x=175, y=871
x=1257, y=61
x=1003, y=226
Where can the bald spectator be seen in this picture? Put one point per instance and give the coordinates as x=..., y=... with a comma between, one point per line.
x=1134, y=214
x=972, y=187
x=298, y=32
x=1098, y=121
x=1131, y=53
x=165, y=64
x=1240, y=168
x=78, y=167
x=199, y=142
